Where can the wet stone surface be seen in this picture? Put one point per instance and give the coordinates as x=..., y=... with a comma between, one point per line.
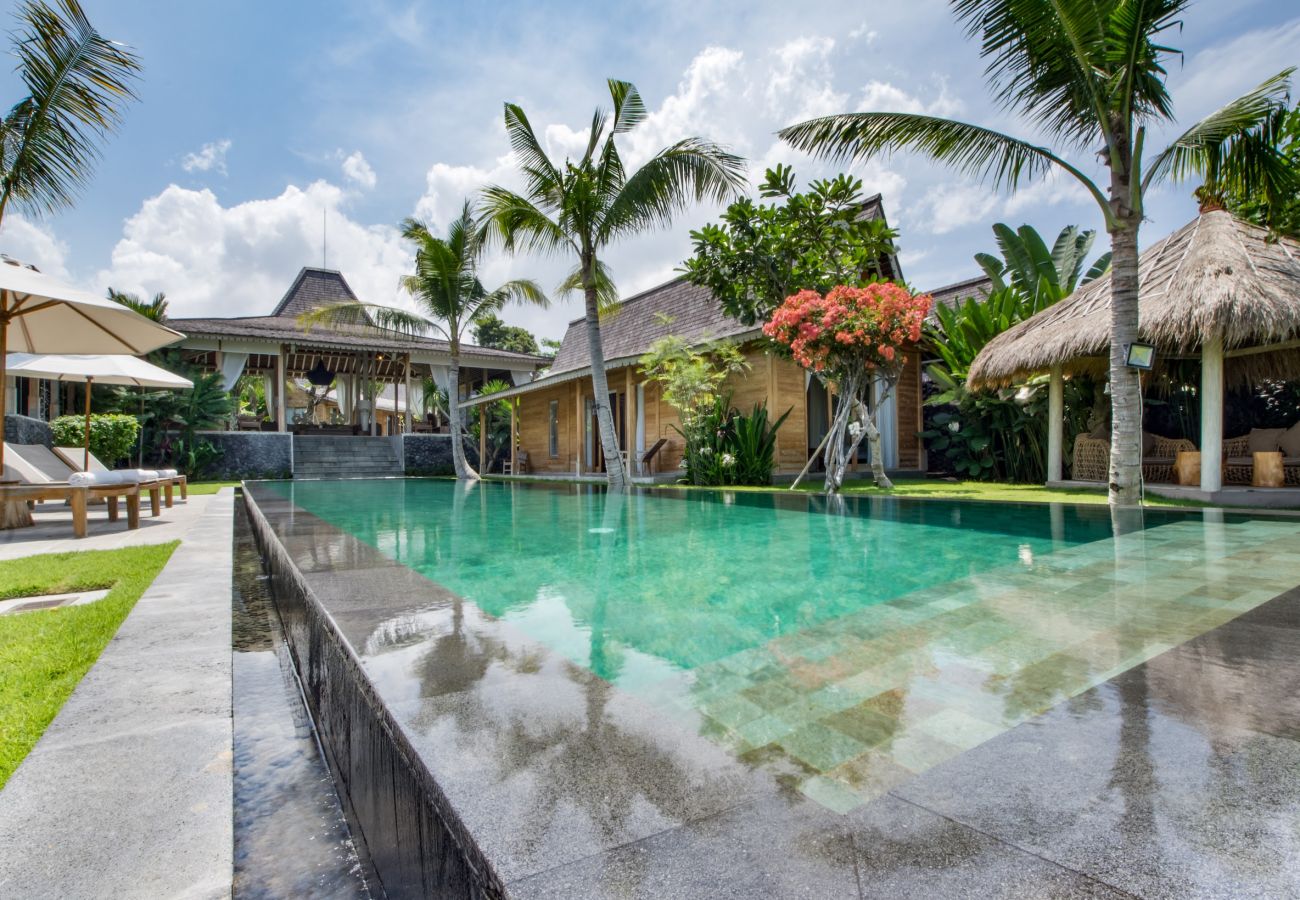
x=291, y=839
x=1134, y=736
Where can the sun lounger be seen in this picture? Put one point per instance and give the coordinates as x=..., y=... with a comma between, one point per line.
x=648, y=457
x=168, y=478
x=44, y=465
x=26, y=484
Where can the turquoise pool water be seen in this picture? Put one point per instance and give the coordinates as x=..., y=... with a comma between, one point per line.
x=687, y=578
x=846, y=649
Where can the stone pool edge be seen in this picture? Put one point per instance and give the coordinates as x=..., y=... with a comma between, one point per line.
x=310, y=632
x=129, y=793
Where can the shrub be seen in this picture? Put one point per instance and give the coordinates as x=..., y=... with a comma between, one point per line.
x=112, y=436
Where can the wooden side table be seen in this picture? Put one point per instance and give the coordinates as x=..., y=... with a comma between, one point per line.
x=1187, y=468
x=1266, y=470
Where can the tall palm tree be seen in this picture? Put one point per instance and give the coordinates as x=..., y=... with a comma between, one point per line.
x=447, y=290
x=1093, y=75
x=581, y=207
x=76, y=82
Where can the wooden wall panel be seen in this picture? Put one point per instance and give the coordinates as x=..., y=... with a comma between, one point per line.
x=534, y=428
x=908, y=403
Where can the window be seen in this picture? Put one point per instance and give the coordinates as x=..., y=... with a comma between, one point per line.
x=555, y=429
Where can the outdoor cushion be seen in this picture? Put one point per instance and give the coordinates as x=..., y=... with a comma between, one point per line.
x=77, y=479
x=135, y=475
x=1264, y=440
x=1240, y=461
x=1100, y=431
x=1148, y=442
x=1290, y=441
x=168, y=473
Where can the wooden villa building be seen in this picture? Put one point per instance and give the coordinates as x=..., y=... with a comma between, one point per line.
x=556, y=417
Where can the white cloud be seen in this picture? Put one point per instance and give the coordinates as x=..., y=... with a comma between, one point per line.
x=210, y=158
x=882, y=96
x=34, y=244
x=947, y=207
x=800, y=86
x=358, y=171
x=214, y=260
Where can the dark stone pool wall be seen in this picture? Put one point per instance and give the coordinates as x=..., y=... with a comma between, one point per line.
x=416, y=843
x=26, y=430
x=430, y=454
x=250, y=454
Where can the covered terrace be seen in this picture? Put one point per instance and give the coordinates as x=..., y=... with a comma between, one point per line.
x=377, y=376
x=1220, y=292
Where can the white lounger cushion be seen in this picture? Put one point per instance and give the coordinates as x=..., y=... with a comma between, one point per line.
x=167, y=473
x=121, y=476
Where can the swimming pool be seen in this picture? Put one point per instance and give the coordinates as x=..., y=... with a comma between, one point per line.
x=843, y=649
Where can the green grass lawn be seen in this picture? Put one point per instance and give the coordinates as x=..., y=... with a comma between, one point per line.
x=210, y=487
x=44, y=653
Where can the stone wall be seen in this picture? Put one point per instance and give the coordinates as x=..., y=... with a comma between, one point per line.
x=430, y=454
x=250, y=454
x=26, y=430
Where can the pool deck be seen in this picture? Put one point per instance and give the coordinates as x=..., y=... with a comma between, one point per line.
x=1177, y=777
x=128, y=793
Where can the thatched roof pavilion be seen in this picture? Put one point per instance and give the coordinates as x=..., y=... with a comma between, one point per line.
x=1218, y=288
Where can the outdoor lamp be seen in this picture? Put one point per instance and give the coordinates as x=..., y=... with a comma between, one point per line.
x=1141, y=356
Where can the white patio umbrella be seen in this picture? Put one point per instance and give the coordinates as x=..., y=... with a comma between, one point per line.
x=41, y=314
x=94, y=369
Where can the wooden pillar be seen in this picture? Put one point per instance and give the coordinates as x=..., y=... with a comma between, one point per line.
x=482, y=438
x=1055, y=424
x=1212, y=414
x=410, y=418
x=514, y=442
x=629, y=421
x=580, y=428
x=281, y=412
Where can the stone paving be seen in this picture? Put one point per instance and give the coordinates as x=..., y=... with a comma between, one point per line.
x=52, y=532
x=128, y=792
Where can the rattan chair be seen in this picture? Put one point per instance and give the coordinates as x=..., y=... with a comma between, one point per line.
x=1091, y=459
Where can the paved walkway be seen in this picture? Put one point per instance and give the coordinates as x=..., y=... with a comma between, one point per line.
x=52, y=532
x=128, y=793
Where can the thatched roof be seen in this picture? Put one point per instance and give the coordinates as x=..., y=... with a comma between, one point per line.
x=1216, y=273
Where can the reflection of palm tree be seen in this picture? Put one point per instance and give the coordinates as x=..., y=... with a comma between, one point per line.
x=1133, y=771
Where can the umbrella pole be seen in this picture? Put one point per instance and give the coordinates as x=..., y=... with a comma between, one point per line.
x=4, y=356
x=85, y=459
x=139, y=456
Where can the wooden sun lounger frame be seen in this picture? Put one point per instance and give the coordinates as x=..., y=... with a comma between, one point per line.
x=168, y=484
x=77, y=496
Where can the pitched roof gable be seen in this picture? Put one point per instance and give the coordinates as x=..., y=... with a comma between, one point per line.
x=312, y=289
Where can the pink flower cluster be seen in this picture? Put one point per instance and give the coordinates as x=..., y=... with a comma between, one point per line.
x=863, y=327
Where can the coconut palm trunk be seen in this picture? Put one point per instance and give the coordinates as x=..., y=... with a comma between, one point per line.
x=1125, y=385
x=464, y=470
x=614, y=471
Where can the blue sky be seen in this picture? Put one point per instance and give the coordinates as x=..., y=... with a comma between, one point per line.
x=257, y=118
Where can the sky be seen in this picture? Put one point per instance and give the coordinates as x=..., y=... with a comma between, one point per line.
x=271, y=136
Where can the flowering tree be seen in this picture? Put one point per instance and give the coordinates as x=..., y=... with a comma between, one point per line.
x=853, y=337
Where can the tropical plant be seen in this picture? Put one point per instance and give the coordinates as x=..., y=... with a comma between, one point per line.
x=754, y=439
x=77, y=82
x=450, y=297
x=581, y=207
x=1274, y=203
x=155, y=309
x=1041, y=276
x=112, y=435
x=691, y=379
x=855, y=338
x=497, y=416
x=490, y=331
x=759, y=254
x=170, y=420
x=250, y=397
x=1091, y=74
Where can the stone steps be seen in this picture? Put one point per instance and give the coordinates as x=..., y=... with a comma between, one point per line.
x=344, y=457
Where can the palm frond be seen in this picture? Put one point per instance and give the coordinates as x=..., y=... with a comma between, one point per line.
x=76, y=82
x=520, y=290
x=1208, y=146
x=986, y=154
x=528, y=150
x=629, y=108
x=689, y=171
x=516, y=223
x=606, y=291
x=369, y=316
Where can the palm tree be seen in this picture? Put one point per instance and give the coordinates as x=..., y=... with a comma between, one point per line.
x=450, y=296
x=1092, y=74
x=155, y=309
x=581, y=207
x=76, y=82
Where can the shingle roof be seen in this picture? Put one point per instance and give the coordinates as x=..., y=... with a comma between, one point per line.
x=955, y=293
x=312, y=289
x=677, y=308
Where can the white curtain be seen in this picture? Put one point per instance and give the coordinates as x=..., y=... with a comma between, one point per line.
x=441, y=376
x=232, y=366
x=887, y=422
x=343, y=394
